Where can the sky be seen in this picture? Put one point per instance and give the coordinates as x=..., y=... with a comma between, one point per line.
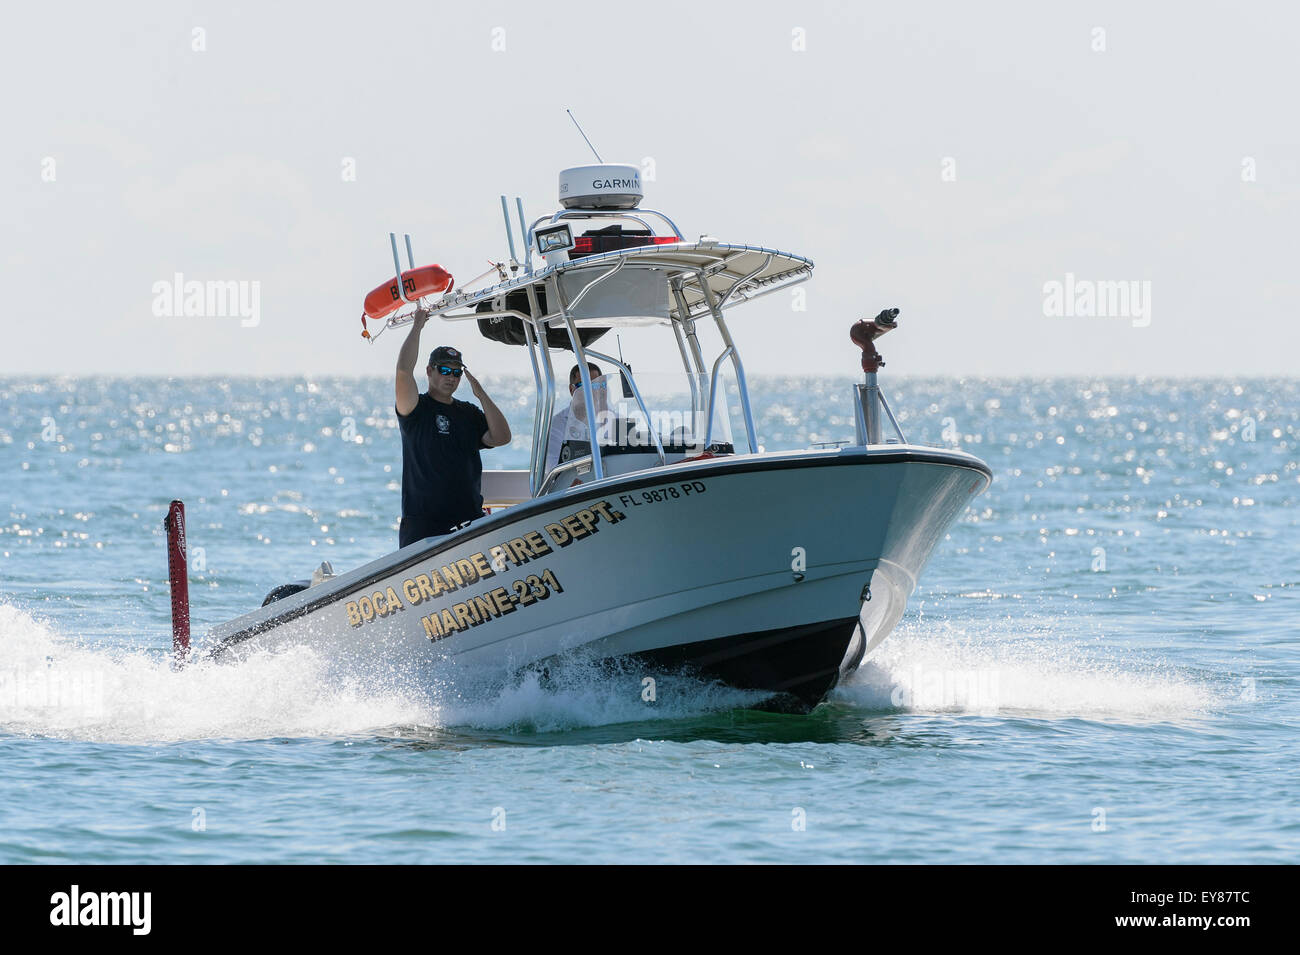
x=982, y=167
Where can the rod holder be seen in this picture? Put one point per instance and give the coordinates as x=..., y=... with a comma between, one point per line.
x=397, y=266
x=510, y=230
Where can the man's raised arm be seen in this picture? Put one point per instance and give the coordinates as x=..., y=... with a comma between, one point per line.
x=498, y=432
x=408, y=392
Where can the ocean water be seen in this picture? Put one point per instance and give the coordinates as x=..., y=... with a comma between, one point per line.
x=1099, y=664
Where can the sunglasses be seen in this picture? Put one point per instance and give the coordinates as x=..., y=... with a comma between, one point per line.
x=448, y=370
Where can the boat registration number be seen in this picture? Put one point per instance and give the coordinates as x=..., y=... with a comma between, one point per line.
x=657, y=495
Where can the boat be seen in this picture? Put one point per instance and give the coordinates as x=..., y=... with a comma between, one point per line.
x=656, y=539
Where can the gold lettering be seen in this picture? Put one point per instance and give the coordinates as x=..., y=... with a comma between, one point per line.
x=502, y=600
x=426, y=588
x=539, y=546
x=558, y=534
x=448, y=622
x=354, y=615
x=462, y=616
x=485, y=608
x=432, y=629
x=467, y=570
x=394, y=603
x=482, y=566
x=588, y=520
x=411, y=591
x=367, y=608
x=454, y=579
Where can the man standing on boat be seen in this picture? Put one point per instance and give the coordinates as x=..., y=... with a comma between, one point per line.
x=442, y=471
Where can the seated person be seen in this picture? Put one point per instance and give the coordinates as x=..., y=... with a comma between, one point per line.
x=571, y=421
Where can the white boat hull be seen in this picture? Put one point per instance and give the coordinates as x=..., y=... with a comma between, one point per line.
x=749, y=568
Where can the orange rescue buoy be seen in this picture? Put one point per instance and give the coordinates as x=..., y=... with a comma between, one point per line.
x=426, y=280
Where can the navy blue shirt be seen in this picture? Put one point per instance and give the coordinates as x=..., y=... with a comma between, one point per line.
x=442, y=472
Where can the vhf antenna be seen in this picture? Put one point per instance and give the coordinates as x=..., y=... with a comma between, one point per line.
x=584, y=136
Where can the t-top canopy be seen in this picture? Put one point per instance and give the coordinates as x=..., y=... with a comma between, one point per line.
x=645, y=285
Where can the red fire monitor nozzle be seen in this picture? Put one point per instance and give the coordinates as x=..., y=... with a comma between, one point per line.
x=864, y=334
x=178, y=573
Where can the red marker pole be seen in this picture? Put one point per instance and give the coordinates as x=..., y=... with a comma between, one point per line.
x=178, y=573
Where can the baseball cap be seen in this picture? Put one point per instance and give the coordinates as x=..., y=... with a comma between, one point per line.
x=445, y=353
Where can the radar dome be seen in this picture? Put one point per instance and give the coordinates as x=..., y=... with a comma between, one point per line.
x=603, y=186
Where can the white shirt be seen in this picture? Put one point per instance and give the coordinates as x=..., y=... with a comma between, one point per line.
x=559, y=425
x=570, y=426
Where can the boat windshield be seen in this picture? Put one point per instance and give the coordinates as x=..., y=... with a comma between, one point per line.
x=673, y=410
